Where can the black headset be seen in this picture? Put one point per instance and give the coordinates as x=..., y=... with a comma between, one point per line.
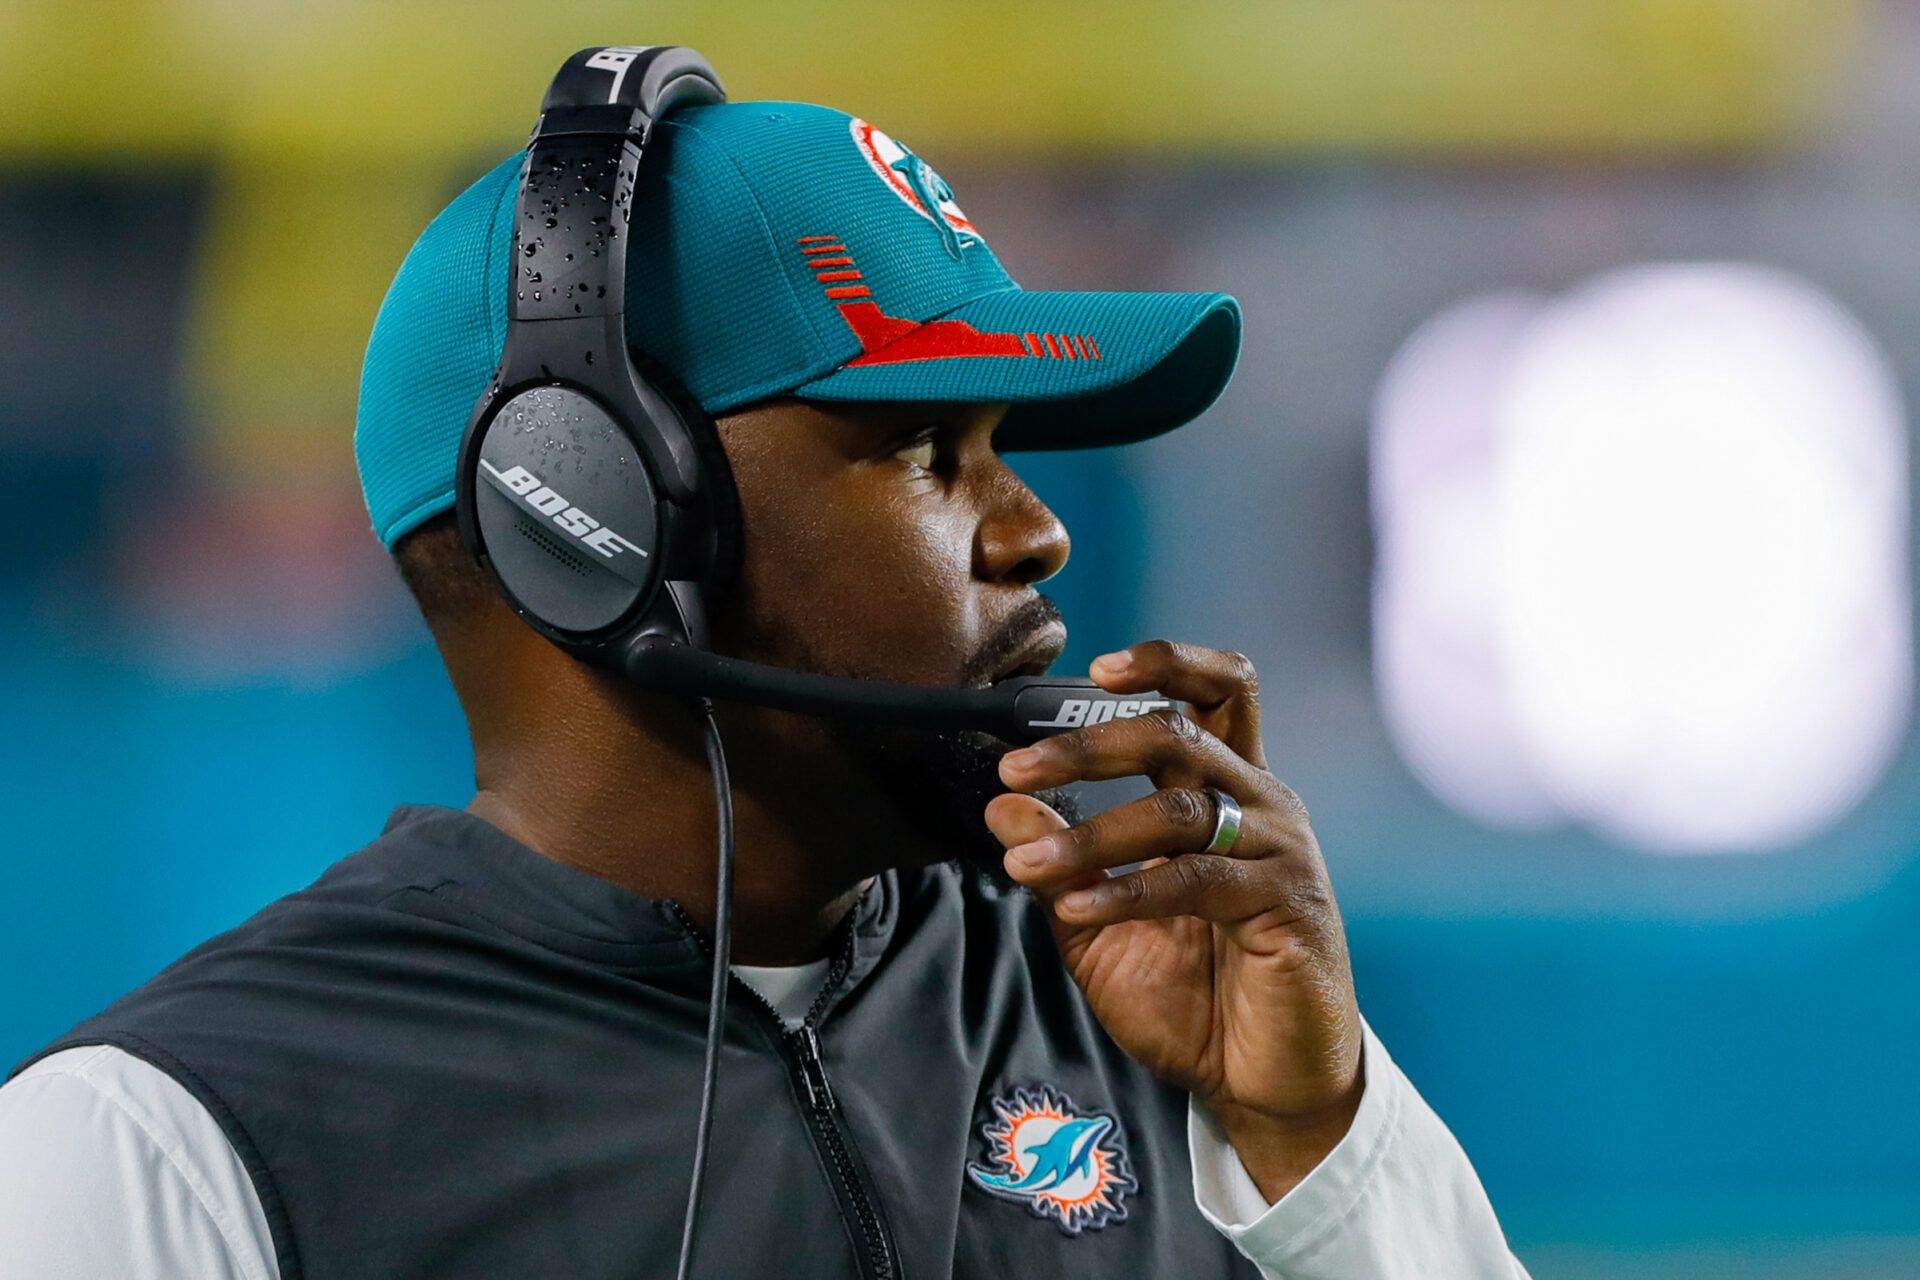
x=595, y=492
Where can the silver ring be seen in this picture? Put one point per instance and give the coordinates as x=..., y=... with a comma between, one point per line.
x=1226, y=821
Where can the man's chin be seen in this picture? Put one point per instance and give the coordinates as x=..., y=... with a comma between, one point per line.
x=941, y=782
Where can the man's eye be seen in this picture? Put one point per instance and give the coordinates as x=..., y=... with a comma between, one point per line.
x=918, y=452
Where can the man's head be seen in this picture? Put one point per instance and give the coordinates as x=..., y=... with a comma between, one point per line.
x=817, y=289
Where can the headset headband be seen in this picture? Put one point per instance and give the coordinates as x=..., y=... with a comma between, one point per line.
x=577, y=196
x=569, y=292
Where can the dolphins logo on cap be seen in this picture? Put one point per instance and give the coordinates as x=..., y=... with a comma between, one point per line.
x=1065, y=1164
x=918, y=186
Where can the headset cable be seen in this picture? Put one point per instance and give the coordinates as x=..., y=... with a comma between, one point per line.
x=717, y=995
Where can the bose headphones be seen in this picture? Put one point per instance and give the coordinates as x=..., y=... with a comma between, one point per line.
x=595, y=492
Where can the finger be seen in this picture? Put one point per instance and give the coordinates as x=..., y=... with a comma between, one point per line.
x=1222, y=687
x=1165, y=746
x=1214, y=888
x=1177, y=820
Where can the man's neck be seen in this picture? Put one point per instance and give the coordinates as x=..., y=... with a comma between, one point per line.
x=650, y=826
x=782, y=916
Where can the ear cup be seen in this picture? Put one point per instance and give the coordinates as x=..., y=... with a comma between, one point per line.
x=570, y=534
x=721, y=494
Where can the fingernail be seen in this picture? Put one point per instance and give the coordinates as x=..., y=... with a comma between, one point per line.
x=1037, y=853
x=1114, y=662
x=1078, y=900
x=1025, y=758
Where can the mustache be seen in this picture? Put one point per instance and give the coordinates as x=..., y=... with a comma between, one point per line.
x=999, y=650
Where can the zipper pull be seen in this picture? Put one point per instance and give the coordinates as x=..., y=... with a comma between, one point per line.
x=813, y=1071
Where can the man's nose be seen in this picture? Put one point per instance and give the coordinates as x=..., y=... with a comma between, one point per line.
x=1020, y=541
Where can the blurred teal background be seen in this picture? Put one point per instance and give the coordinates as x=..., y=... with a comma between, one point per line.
x=1663, y=1064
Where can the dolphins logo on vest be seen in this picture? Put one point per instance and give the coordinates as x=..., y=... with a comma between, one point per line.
x=1065, y=1164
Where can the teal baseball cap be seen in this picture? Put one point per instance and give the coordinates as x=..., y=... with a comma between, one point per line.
x=784, y=249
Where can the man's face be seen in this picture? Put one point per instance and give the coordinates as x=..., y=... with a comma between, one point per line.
x=887, y=542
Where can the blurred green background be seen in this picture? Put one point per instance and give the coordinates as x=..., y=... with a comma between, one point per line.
x=1660, y=971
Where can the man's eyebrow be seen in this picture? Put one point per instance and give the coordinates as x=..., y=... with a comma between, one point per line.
x=903, y=420
x=911, y=420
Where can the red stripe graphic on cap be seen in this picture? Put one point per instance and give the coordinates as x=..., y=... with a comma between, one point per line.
x=886, y=339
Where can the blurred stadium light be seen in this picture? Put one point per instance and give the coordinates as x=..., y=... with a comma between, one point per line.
x=1643, y=557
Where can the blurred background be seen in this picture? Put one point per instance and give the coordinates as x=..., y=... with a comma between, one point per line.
x=1563, y=497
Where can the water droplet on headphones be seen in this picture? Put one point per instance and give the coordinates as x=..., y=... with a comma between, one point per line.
x=589, y=357
x=536, y=295
x=603, y=292
x=569, y=257
x=529, y=249
x=553, y=222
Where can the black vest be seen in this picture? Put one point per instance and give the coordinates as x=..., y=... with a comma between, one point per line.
x=451, y=1056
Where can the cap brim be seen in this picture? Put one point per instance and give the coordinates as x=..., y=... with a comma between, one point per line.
x=1079, y=369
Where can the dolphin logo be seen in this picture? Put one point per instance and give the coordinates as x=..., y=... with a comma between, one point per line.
x=1061, y=1156
x=1065, y=1164
x=933, y=192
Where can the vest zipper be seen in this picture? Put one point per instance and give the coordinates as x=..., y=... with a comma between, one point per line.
x=800, y=1046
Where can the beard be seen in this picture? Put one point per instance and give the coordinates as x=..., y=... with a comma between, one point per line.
x=943, y=780
x=939, y=781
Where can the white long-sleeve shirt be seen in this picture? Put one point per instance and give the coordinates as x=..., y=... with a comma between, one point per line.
x=110, y=1168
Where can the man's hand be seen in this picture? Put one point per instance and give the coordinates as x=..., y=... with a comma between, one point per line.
x=1225, y=974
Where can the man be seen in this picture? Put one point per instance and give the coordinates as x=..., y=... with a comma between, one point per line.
x=978, y=1035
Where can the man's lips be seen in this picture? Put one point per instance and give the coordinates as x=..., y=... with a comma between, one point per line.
x=1041, y=649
